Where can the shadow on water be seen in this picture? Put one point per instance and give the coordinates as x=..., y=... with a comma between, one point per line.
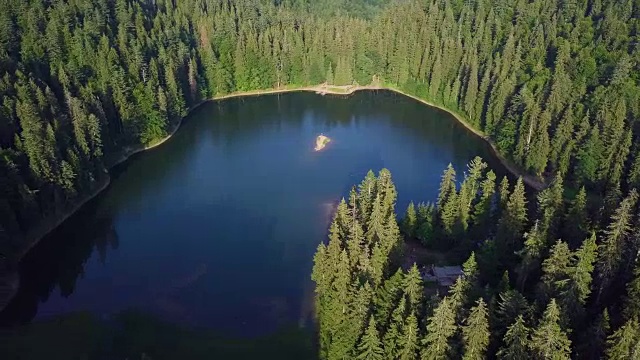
x=136, y=335
x=58, y=261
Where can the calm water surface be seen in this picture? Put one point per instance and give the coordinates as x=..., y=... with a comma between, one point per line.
x=217, y=228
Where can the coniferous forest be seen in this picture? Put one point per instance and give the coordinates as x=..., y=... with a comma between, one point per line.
x=555, y=279
x=555, y=85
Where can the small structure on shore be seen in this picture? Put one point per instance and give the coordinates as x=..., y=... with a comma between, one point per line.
x=445, y=276
x=321, y=142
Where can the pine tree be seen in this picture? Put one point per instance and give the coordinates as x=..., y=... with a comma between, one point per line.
x=534, y=247
x=625, y=342
x=425, y=224
x=393, y=336
x=556, y=269
x=574, y=294
x=482, y=211
x=610, y=250
x=413, y=288
x=370, y=347
x=440, y=328
x=447, y=187
x=632, y=301
x=475, y=333
x=511, y=224
x=409, y=221
x=548, y=340
x=387, y=296
x=576, y=224
x=408, y=342
x=516, y=342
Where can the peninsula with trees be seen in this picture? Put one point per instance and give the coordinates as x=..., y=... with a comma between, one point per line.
x=553, y=85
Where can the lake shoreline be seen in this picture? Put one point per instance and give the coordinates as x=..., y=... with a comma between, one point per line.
x=32, y=238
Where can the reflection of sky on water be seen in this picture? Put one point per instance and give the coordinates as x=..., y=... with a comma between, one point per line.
x=218, y=227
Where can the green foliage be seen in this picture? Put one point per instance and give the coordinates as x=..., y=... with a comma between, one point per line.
x=353, y=282
x=410, y=221
x=610, y=250
x=370, y=347
x=556, y=95
x=425, y=223
x=516, y=342
x=475, y=333
x=440, y=328
x=548, y=340
x=625, y=342
x=512, y=222
x=413, y=288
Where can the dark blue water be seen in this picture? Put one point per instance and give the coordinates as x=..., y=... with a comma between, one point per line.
x=217, y=227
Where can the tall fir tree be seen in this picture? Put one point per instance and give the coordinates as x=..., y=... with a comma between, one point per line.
x=548, y=340
x=475, y=332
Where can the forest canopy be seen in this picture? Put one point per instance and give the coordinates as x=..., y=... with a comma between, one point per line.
x=554, y=84
x=543, y=278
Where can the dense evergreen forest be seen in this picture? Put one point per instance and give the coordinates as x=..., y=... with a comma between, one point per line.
x=553, y=83
x=556, y=279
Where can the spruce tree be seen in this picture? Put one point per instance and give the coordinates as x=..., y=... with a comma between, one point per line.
x=447, y=187
x=516, y=342
x=624, y=343
x=577, y=288
x=413, y=288
x=611, y=248
x=375, y=227
x=370, y=347
x=482, y=210
x=576, y=223
x=556, y=269
x=632, y=300
x=511, y=225
x=386, y=297
x=548, y=340
x=531, y=255
x=367, y=191
x=475, y=332
x=550, y=206
x=409, y=221
x=511, y=305
x=441, y=326
x=469, y=191
x=425, y=224
x=594, y=339
x=393, y=335
x=408, y=342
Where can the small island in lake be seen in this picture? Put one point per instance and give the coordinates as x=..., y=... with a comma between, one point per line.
x=321, y=142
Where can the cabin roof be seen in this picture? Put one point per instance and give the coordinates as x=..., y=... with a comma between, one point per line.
x=447, y=271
